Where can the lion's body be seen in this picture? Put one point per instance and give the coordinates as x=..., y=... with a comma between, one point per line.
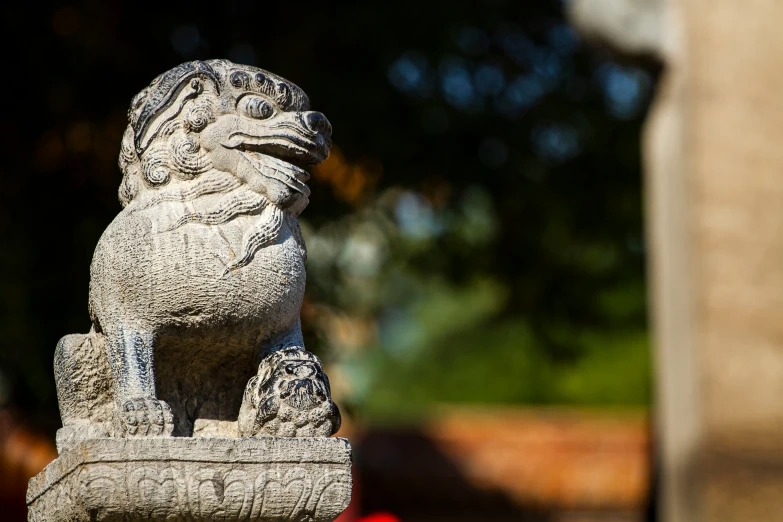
x=178, y=279
x=173, y=285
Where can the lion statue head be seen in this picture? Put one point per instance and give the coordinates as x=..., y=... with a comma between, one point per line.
x=214, y=126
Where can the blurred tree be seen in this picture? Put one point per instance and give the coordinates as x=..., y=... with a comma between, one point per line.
x=477, y=232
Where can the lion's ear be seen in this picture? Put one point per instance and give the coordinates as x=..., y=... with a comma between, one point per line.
x=165, y=98
x=156, y=123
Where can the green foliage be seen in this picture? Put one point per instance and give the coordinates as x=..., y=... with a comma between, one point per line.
x=451, y=346
x=441, y=340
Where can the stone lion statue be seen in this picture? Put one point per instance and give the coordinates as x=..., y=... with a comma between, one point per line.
x=196, y=286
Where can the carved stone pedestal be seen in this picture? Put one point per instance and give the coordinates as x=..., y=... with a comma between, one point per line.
x=195, y=479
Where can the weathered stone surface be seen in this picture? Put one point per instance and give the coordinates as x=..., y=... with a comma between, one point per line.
x=195, y=479
x=197, y=285
x=195, y=293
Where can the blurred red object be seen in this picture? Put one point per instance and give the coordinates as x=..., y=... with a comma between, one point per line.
x=379, y=517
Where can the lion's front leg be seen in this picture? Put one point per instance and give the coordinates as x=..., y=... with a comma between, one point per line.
x=138, y=412
x=289, y=397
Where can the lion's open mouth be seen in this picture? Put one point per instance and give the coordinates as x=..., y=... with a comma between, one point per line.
x=290, y=147
x=282, y=156
x=293, y=176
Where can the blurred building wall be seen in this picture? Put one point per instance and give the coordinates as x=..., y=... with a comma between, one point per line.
x=714, y=175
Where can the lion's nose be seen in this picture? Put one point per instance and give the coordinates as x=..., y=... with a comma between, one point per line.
x=317, y=122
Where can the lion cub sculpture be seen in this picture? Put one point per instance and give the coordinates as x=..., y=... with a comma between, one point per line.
x=197, y=285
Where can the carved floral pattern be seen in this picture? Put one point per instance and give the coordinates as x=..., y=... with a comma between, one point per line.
x=197, y=492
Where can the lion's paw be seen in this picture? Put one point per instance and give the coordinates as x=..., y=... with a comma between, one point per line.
x=290, y=397
x=142, y=417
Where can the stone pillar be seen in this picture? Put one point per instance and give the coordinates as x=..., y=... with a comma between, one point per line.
x=734, y=161
x=714, y=182
x=670, y=246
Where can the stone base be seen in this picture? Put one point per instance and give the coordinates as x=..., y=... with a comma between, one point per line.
x=195, y=479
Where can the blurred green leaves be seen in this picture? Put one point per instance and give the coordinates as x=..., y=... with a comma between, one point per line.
x=437, y=339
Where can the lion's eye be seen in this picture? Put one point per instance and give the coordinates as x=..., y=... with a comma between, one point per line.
x=257, y=108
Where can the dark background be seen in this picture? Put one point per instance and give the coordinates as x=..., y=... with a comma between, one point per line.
x=481, y=215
